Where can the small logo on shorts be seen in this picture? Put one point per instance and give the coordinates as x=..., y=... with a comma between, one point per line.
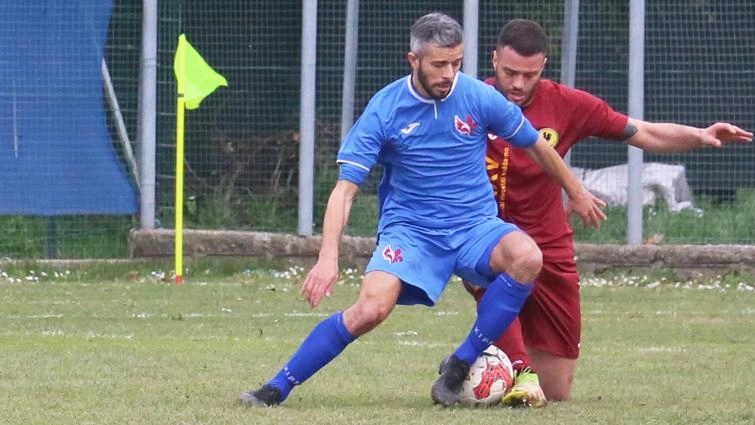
x=392, y=256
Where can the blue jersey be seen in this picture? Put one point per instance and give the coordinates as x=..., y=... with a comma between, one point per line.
x=432, y=151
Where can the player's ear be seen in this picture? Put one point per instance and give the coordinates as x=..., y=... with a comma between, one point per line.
x=494, y=58
x=413, y=59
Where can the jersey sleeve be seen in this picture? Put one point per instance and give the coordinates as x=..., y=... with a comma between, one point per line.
x=361, y=147
x=506, y=120
x=595, y=117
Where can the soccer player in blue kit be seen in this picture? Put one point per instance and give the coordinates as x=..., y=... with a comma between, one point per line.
x=438, y=215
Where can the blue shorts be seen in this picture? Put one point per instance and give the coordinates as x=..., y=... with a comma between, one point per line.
x=425, y=259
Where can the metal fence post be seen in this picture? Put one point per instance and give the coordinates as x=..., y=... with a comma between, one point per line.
x=148, y=114
x=307, y=116
x=636, y=109
x=471, y=30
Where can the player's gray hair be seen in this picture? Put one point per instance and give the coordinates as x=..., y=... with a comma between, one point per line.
x=435, y=28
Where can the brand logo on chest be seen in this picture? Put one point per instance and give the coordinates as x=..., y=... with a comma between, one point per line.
x=408, y=129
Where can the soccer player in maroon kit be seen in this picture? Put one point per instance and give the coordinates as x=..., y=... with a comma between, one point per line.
x=545, y=338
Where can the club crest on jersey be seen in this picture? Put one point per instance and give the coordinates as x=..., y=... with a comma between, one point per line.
x=466, y=127
x=392, y=256
x=550, y=135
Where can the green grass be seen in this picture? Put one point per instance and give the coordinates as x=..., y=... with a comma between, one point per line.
x=119, y=345
x=65, y=237
x=708, y=223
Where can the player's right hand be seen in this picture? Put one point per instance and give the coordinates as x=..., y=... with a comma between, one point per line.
x=320, y=281
x=588, y=207
x=721, y=132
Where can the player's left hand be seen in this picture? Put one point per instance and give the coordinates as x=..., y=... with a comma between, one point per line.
x=588, y=207
x=319, y=282
x=723, y=132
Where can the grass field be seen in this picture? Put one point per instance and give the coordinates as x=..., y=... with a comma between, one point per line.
x=120, y=345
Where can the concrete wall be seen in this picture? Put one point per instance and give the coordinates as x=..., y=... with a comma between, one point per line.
x=684, y=260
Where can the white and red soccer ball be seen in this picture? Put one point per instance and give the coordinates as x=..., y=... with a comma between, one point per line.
x=489, y=379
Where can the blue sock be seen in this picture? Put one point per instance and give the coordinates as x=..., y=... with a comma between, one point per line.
x=498, y=308
x=324, y=343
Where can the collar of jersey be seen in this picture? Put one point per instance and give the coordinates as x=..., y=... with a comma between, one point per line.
x=419, y=97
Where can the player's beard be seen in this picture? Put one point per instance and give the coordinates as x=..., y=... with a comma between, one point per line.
x=435, y=91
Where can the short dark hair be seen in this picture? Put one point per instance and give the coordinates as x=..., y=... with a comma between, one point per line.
x=525, y=36
x=435, y=28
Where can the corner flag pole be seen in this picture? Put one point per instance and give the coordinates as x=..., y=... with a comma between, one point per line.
x=180, y=109
x=200, y=81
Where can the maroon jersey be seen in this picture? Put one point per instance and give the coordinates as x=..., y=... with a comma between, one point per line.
x=529, y=197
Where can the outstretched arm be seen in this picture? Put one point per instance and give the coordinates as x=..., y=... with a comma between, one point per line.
x=581, y=201
x=323, y=275
x=672, y=138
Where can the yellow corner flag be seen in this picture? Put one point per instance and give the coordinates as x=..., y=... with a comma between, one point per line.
x=195, y=80
x=194, y=75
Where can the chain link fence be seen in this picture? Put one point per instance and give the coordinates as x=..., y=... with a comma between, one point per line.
x=242, y=145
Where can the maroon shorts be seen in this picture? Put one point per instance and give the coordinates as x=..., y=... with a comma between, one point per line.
x=551, y=316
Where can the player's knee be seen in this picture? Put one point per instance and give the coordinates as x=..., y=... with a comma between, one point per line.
x=558, y=394
x=557, y=386
x=519, y=256
x=527, y=264
x=372, y=314
x=364, y=316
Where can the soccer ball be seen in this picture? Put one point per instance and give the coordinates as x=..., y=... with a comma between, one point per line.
x=490, y=377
